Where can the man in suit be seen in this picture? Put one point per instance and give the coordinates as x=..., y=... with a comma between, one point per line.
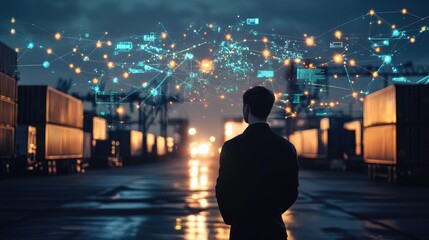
x=258, y=174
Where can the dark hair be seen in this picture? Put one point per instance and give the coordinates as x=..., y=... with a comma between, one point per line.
x=260, y=101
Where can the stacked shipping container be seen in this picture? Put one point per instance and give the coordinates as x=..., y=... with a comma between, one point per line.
x=396, y=131
x=8, y=106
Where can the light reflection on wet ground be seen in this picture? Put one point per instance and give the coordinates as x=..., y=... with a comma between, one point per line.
x=175, y=200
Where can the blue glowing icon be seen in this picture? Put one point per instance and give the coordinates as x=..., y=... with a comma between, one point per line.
x=124, y=46
x=30, y=45
x=252, y=21
x=265, y=73
x=387, y=59
x=153, y=92
x=115, y=80
x=189, y=56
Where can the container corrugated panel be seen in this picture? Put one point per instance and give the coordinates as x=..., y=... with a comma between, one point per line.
x=43, y=104
x=380, y=144
x=64, y=109
x=63, y=142
x=160, y=146
x=356, y=126
x=296, y=139
x=99, y=129
x=401, y=104
x=7, y=140
x=136, y=139
x=312, y=146
x=8, y=60
x=8, y=86
x=150, y=142
x=8, y=112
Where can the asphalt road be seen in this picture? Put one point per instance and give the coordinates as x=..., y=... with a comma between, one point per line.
x=174, y=199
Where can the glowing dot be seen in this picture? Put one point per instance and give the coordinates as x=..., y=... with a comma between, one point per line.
x=206, y=66
x=192, y=131
x=309, y=41
x=265, y=40
x=212, y=139
x=210, y=25
x=375, y=74
x=30, y=46
x=222, y=97
x=306, y=93
x=354, y=94
x=57, y=36
x=387, y=59
x=46, y=64
x=352, y=62
x=95, y=81
x=172, y=45
x=379, y=22
x=371, y=12
x=288, y=109
x=393, y=26
x=12, y=20
x=120, y=110
x=338, y=34
x=17, y=50
x=377, y=50
x=71, y=65
x=312, y=102
x=145, y=84
x=228, y=37
x=331, y=104
x=423, y=29
x=177, y=87
x=77, y=70
x=109, y=43
x=98, y=44
x=49, y=51
x=404, y=11
x=172, y=64
x=293, y=115
x=153, y=92
x=286, y=62
x=297, y=60
x=412, y=40
x=335, y=76
x=110, y=65
x=125, y=75
x=115, y=80
x=163, y=35
x=13, y=31
x=74, y=50
x=338, y=58
x=266, y=53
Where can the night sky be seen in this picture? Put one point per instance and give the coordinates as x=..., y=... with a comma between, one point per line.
x=38, y=21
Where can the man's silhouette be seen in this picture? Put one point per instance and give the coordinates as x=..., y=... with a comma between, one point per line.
x=258, y=174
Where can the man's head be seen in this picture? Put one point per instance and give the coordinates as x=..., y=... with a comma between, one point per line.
x=257, y=102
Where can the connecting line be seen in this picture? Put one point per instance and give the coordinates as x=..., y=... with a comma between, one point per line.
x=423, y=79
x=189, y=48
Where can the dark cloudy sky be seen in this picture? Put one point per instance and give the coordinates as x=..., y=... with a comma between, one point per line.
x=124, y=18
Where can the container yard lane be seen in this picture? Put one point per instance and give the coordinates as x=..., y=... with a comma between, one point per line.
x=174, y=199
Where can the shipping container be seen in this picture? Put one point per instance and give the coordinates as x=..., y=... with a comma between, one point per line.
x=8, y=60
x=87, y=145
x=44, y=104
x=60, y=142
x=130, y=145
x=106, y=154
x=96, y=126
x=150, y=143
x=8, y=87
x=398, y=104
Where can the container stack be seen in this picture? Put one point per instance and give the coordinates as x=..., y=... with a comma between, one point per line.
x=396, y=131
x=8, y=106
x=58, y=118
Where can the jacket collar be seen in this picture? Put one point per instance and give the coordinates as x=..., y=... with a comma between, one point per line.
x=257, y=125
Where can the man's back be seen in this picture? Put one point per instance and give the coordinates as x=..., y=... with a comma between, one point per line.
x=258, y=180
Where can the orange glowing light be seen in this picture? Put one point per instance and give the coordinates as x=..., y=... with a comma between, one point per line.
x=74, y=50
x=49, y=51
x=206, y=66
x=110, y=65
x=266, y=53
x=354, y=94
x=404, y=11
x=172, y=64
x=309, y=41
x=77, y=70
x=210, y=25
x=338, y=34
x=71, y=65
x=109, y=43
x=375, y=74
x=125, y=75
x=265, y=40
x=120, y=110
x=413, y=40
x=163, y=35
x=98, y=44
x=286, y=62
x=393, y=26
x=95, y=81
x=105, y=56
x=379, y=22
x=371, y=12
x=338, y=58
x=57, y=36
x=297, y=60
x=352, y=62
x=12, y=20
x=377, y=50
x=228, y=37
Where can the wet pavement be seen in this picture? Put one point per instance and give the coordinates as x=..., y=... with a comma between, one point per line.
x=174, y=199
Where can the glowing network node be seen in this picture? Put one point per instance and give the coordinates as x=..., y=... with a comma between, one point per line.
x=115, y=80
x=404, y=11
x=387, y=59
x=125, y=75
x=172, y=64
x=17, y=50
x=338, y=58
x=49, y=51
x=153, y=92
x=265, y=40
x=105, y=56
x=99, y=44
x=163, y=35
x=309, y=41
x=266, y=53
x=286, y=62
x=228, y=37
x=109, y=43
x=77, y=70
x=30, y=45
x=110, y=65
x=71, y=65
x=57, y=36
x=352, y=62
x=206, y=66
x=371, y=12
x=338, y=34
x=12, y=20
x=354, y=94
x=46, y=64
x=375, y=74
x=413, y=40
x=95, y=81
x=13, y=31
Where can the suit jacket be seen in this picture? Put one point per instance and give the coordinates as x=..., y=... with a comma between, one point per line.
x=257, y=183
